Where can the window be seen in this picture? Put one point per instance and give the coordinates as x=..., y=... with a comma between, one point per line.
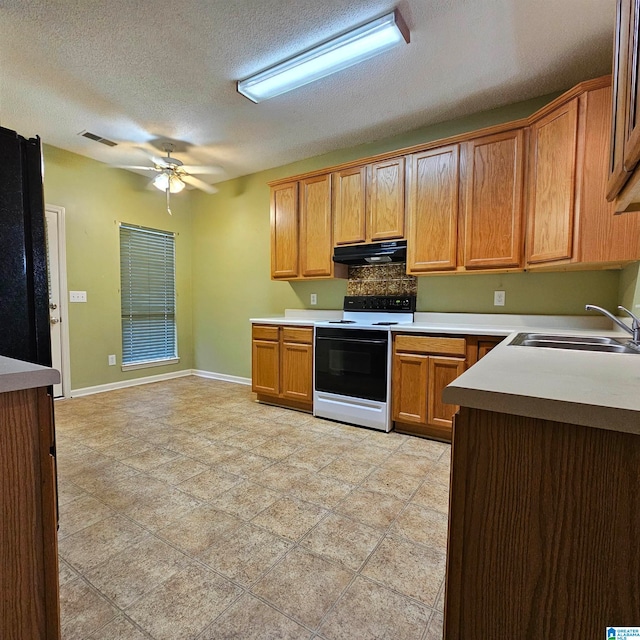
x=148, y=296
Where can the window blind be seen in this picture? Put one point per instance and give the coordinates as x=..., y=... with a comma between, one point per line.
x=148, y=294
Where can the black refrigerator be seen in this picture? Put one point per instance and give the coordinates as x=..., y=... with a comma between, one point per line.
x=24, y=294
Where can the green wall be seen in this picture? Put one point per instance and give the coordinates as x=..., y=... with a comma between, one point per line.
x=97, y=197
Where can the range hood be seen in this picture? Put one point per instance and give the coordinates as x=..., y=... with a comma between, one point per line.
x=374, y=253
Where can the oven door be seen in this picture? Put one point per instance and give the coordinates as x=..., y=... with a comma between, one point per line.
x=352, y=362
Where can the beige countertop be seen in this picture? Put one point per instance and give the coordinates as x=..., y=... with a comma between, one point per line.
x=580, y=387
x=16, y=375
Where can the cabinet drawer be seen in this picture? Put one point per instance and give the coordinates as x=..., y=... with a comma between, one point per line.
x=265, y=332
x=431, y=344
x=303, y=335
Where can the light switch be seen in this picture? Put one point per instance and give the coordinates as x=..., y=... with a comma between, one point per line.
x=77, y=296
x=112, y=360
x=498, y=298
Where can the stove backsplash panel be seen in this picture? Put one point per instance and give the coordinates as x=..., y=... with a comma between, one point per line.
x=381, y=280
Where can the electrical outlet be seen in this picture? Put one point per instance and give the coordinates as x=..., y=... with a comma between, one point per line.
x=314, y=298
x=499, y=298
x=77, y=296
x=112, y=360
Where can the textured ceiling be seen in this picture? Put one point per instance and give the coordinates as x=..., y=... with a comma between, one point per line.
x=135, y=71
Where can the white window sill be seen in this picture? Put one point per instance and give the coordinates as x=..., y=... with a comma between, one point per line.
x=149, y=363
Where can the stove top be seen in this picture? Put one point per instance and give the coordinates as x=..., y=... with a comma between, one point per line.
x=375, y=311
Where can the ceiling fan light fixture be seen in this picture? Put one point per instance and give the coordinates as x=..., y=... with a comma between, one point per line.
x=168, y=180
x=334, y=55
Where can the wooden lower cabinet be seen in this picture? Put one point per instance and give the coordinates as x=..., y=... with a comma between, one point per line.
x=29, y=602
x=282, y=365
x=422, y=367
x=543, y=527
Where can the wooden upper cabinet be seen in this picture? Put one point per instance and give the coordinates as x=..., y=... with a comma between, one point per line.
x=315, y=227
x=386, y=200
x=552, y=181
x=350, y=205
x=432, y=218
x=493, y=203
x=284, y=230
x=632, y=129
x=618, y=174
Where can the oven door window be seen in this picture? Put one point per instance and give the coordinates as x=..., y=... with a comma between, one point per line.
x=355, y=367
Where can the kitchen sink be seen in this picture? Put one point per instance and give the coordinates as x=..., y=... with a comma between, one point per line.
x=574, y=343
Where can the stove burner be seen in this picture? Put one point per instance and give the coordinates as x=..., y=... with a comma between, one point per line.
x=342, y=321
x=384, y=324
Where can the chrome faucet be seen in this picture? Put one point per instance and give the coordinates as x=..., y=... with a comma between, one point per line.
x=635, y=324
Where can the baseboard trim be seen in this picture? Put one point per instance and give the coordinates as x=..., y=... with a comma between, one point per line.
x=134, y=382
x=220, y=376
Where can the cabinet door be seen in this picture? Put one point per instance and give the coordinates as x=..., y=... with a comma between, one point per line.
x=434, y=186
x=316, y=247
x=284, y=231
x=265, y=369
x=409, y=384
x=552, y=185
x=632, y=144
x=297, y=371
x=349, y=205
x=442, y=371
x=386, y=200
x=618, y=174
x=493, y=201
x=484, y=346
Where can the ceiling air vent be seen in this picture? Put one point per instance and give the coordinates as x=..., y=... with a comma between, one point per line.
x=100, y=139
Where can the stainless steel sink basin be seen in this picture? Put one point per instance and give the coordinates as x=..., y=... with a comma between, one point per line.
x=573, y=343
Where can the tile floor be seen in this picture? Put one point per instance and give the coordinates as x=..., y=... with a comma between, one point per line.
x=188, y=510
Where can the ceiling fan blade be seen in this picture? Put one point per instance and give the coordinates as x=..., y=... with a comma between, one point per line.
x=132, y=166
x=199, y=184
x=200, y=169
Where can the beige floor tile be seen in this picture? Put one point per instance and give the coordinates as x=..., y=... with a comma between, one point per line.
x=101, y=477
x=440, y=474
x=367, y=453
x=408, y=568
x=136, y=570
x=119, y=629
x=99, y=542
x=209, y=483
x=424, y=447
x=251, y=619
x=440, y=600
x=81, y=513
x=246, y=555
x=245, y=439
x=127, y=447
x=199, y=529
x=303, y=586
x=82, y=610
x=290, y=518
x=374, y=509
x=68, y=491
x=409, y=463
x=343, y=540
x=184, y=605
x=65, y=572
x=433, y=495
x=393, y=483
x=245, y=463
x=321, y=490
x=212, y=453
x=245, y=500
x=436, y=627
x=368, y=611
x=177, y=470
x=276, y=449
x=422, y=525
x=390, y=441
x=150, y=458
x=282, y=476
x=310, y=458
x=347, y=470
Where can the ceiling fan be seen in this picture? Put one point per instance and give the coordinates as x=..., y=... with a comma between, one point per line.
x=173, y=175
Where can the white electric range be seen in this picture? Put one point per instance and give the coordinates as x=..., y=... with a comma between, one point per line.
x=352, y=371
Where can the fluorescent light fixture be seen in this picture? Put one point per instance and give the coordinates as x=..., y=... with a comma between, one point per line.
x=164, y=180
x=334, y=55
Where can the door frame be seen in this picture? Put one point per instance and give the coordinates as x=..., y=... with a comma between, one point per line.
x=64, y=297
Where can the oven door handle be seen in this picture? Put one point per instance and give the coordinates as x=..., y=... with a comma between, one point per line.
x=361, y=340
